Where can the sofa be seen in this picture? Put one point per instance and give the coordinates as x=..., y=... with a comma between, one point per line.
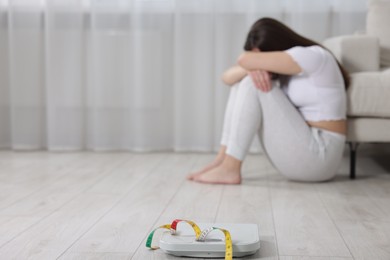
x=367, y=58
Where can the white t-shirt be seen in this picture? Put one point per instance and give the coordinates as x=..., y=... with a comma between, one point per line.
x=318, y=91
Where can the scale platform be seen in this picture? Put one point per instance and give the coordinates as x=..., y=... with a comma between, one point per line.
x=245, y=241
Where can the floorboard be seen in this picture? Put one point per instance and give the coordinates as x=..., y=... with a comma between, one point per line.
x=125, y=227
x=103, y=205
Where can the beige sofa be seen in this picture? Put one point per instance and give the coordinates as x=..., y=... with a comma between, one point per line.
x=367, y=58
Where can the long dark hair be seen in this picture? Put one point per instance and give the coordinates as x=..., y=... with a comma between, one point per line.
x=268, y=34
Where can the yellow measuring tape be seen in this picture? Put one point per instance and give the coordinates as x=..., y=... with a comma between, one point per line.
x=199, y=235
x=194, y=226
x=228, y=240
x=150, y=237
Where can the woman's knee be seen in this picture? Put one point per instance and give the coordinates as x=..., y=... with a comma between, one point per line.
x=247, y=82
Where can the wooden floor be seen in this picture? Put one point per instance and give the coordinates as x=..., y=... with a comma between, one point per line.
x=103, y=205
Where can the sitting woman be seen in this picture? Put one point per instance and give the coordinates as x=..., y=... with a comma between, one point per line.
x=291, y=92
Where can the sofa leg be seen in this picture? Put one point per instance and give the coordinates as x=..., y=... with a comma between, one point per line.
x=352, y=159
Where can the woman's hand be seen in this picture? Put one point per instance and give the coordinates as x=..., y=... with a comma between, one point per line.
x=261, y=79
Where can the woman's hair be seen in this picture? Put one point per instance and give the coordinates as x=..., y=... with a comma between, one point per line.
x=268, y=34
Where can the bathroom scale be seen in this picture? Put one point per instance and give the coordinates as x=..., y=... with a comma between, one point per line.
x=244, y=239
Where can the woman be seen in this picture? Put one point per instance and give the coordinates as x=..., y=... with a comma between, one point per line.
x=292, y=92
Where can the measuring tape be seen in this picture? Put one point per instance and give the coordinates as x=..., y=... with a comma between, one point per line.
x=228, y=240
x=150, y=237
x=194, y=226
x=199, y=235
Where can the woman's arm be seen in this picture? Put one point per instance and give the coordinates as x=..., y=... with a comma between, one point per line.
x=275, y=61
x=234, y=75
x=261, y=78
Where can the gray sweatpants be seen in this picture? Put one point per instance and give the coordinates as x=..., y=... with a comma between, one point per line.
x=298, y=151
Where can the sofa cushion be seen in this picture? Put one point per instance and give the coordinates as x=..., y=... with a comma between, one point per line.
x=364, y=129
x=378, y=22
x=369, y=94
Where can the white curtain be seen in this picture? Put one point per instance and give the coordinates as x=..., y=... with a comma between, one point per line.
x=134, y=75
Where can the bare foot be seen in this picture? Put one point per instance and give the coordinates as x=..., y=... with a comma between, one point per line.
x=208, y=167
x=220, y=175
x=217, y=161
x=228, y=172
